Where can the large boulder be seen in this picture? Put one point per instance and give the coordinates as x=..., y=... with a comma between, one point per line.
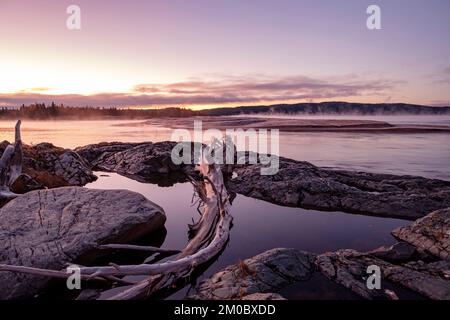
x=301, y=184
x=264, y=273
x=430, y=234
x=52, y=227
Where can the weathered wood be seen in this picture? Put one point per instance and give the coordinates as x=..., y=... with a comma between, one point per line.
x=211, y=237
x=45, y=272
x=114, y=246
x=11, y=165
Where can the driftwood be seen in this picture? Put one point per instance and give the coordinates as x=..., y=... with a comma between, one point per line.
x=11, y=166
x=137, y=248
x=209, y=237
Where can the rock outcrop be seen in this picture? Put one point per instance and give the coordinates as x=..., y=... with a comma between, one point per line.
x=349, y=268
x=297, y=184
x=301, y=184
x=146, y=162
x=265, y=273
x=275, y=269
x=52, y=227
x=430, y=234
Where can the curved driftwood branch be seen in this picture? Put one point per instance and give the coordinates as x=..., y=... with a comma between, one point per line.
x=137, y=248
x=11, y=165
x=212, y=233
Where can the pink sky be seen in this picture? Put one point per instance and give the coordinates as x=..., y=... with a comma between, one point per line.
x=211, y=53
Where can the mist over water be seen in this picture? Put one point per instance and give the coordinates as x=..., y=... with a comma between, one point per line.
x=425, y=155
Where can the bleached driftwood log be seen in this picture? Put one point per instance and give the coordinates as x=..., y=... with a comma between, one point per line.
x=11, y=166
x=210, y=235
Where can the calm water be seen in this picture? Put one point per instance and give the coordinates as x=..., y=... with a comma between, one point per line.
x=425, y=155
x=258, y=226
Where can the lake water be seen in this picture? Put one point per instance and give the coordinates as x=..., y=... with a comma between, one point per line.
x=258, y=225
x=425, y=155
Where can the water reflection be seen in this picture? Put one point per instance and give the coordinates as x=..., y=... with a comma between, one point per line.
x=259, y=226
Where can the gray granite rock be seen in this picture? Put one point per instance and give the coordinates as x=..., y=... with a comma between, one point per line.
x=399, y=252
x=301, y=184
x=430, y=234
x=52, y=227
x=146, y=162
x=264, y=273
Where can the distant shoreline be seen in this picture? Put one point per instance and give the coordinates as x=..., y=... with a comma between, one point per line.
x=298, y=125
x=61, y=112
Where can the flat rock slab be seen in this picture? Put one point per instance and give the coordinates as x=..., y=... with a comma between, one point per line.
x=264, y=273
x=301, y=184
x=349, y=268
x=49, y=228
x=430, y=234
x=145, y=162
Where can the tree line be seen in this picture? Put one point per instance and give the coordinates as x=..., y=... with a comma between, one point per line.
x=41, y=111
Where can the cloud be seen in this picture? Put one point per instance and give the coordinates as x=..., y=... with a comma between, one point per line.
x=443, y=77
x=231, y=89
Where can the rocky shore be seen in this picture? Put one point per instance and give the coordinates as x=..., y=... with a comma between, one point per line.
x=49, y=228
x=55, y=221
x=297, y=184
x=413, y=265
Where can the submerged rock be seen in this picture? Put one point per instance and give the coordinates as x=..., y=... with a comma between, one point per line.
x=301, y=184
x=52, y=227
x=430, y=234
x=399, y=252
x=264, y=273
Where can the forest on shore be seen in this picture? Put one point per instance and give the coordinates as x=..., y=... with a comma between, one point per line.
x=41, y=111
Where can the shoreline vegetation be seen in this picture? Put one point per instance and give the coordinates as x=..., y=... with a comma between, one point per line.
x=53, y=111
x=49, y=210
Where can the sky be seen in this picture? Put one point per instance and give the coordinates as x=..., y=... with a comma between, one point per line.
x=211, y=53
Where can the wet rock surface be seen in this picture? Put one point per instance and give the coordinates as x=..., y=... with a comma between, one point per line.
x=301, y=184
x=399, y=252
x=264, y=273
x=430, y=234
x=267, y=274
x=52, y=227
x=349, y=268
x=419, y=268
x=145, y=162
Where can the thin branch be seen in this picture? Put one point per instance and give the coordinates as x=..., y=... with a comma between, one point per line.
x=137, y=248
